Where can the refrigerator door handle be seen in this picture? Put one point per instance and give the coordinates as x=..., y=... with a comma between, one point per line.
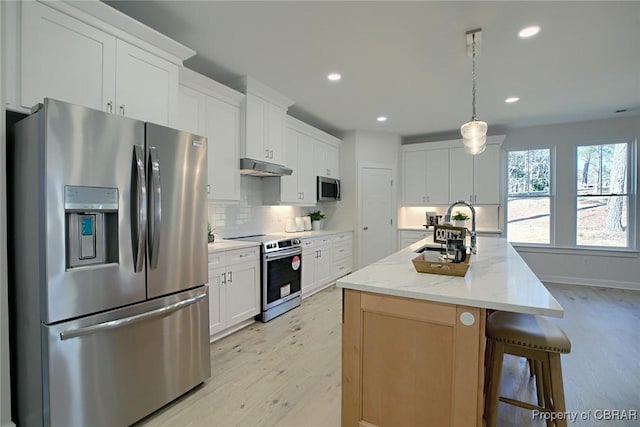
x=155, y=209
x=139, y=197
x=113, y=324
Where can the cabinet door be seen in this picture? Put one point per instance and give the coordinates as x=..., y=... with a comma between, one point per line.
x=437, y=170
x=65, y=59
x=308, y=269
x=146, y=86
x=306, y=175
x=222, y=128
x=242, y=292
x=460, y=175
x=414, y=178
x=255, y=145
x=486, y=176
x=324, y=265
x=276, y=128
x=217, y=300
x=333, y=161
x=191, y=110
x=289, y=192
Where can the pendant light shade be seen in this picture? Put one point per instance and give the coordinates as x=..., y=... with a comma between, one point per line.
x=474, y=132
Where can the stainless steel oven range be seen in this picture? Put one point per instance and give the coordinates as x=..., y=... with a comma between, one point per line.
x=281, y=274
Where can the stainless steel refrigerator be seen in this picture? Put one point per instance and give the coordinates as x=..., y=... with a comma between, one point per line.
x=108, y=266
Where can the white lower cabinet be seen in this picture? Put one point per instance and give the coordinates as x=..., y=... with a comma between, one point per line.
x=325, y=259
x=234, y=290
x=317, y=264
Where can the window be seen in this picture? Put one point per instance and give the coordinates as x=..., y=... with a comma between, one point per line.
x=602, y=193
x=529, y=196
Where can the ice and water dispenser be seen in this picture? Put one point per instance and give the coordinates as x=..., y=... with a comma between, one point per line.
x=91, y=225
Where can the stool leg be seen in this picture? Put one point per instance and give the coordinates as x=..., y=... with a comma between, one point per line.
x=546, y=387
x=488, y=361
x=537, y=369
x=531, y=368
x=494, y=386
x=557, y=389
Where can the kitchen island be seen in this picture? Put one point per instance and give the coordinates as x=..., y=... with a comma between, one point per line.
x=413, y=343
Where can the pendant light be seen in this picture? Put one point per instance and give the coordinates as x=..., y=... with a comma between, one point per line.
x=474, y=132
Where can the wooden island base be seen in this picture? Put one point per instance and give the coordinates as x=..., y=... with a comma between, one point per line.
x=409, y=362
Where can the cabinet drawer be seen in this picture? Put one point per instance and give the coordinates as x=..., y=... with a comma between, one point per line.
x=242, y=255
x=309, y=243
x=342, y=250
x=343, y=267
x=341, y=237
x=216, y=259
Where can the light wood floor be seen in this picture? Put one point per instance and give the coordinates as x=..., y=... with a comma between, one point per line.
x=287, y=372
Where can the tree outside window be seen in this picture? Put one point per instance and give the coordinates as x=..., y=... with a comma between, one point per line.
x=602, y=195
x=529, y=196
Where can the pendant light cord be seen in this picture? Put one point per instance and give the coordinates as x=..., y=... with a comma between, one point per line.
x=473, y=68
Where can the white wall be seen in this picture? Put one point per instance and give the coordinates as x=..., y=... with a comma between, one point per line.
x=5, y=384
x=359, y=149
x=249, y=215
x=570, y=265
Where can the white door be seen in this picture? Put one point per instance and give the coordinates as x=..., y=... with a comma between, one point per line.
x=376, y=214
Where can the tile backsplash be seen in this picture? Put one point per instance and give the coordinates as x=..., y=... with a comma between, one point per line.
x=249, y=215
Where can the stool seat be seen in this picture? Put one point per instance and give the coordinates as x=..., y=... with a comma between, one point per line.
x=527, y=330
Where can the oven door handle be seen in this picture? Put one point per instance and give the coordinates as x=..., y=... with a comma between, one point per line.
x=283, y=254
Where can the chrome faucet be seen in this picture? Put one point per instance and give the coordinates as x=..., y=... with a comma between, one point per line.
x=472, y=233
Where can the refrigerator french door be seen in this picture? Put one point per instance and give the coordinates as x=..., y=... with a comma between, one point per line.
x=107, y=269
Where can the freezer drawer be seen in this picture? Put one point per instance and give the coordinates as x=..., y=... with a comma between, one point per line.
x=115, y=368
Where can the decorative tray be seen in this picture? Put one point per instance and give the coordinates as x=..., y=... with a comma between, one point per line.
x=447, y=268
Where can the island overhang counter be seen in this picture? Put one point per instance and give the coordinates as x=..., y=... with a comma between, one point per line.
x=413, y=343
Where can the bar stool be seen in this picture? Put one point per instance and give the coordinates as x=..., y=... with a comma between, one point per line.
x=537, y=339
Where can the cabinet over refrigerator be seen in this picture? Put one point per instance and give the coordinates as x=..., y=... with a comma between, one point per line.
x=108, y=266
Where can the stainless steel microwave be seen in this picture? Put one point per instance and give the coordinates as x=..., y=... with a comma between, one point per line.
x=328, y=189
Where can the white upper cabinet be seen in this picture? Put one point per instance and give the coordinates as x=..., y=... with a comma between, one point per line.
x=146, y=86
x=426, y=177
x=327, y=160
x=475, y=178
x=211, y=109
x=263, y=121
x=440, y=173
x=65, y=59
x=300, y=187
x=67, y=52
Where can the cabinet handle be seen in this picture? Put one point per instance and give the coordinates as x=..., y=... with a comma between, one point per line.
x=471, y=198
x=365, y=228
x=208, y=188
x=224, y=278
x=271, y=154
x=110, y=107
x=230, y=277
x=122, y=107
x=266, y=154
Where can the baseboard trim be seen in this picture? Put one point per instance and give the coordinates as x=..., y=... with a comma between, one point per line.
x=231, y=330
x=569, y=280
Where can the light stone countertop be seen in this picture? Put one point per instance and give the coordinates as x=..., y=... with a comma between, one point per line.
x=498, y=278
x=221, y=245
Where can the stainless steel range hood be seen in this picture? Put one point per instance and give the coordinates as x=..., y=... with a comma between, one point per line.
x=262, y=168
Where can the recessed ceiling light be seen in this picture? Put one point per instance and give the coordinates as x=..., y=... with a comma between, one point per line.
x=529, y=31
x=382, y=119
x=334, y=77
x=512, y=99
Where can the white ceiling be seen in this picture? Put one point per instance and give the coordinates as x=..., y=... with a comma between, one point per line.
x=407, y=60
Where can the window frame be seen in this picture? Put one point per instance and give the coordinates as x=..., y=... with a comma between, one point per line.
x=551, y=195
x=631, y=194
